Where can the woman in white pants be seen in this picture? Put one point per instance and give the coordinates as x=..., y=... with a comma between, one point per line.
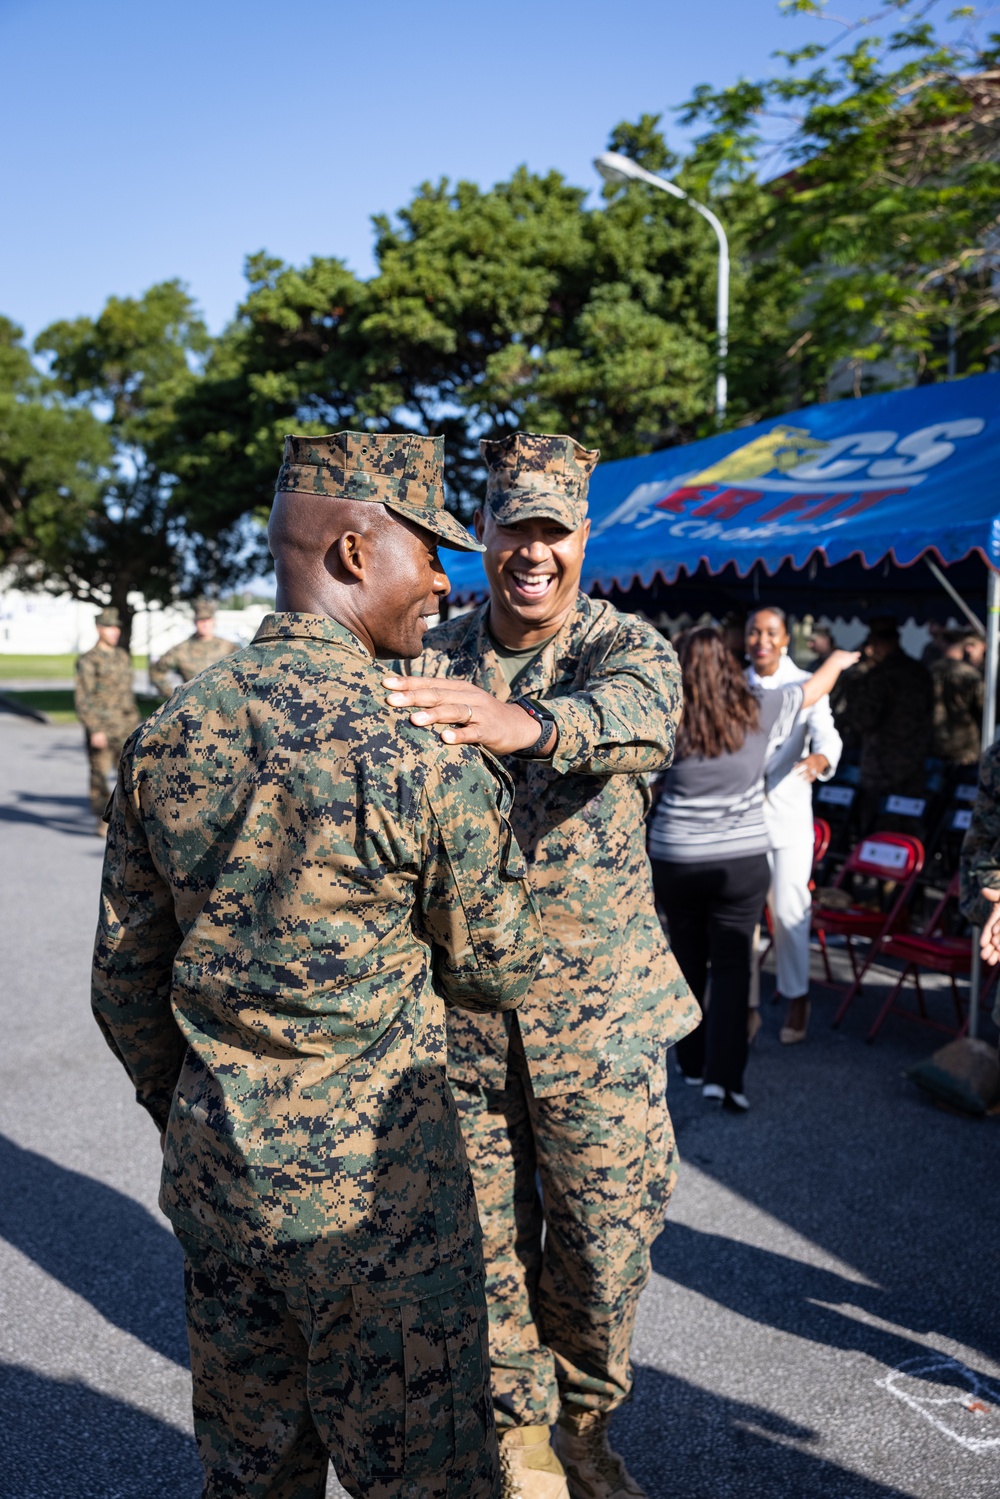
x=811, y=753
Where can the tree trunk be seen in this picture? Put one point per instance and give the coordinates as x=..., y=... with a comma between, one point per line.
x=119, y=599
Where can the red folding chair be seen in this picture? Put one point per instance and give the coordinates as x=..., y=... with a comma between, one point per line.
x=932, y=951
x=882, y=856
x=821, y=844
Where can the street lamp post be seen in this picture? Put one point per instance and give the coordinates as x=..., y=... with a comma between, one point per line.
x=614, y=167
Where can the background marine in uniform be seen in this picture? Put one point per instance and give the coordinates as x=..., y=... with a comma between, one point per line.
x=201, y=649
x=584, y=702
x=106, y=706
x=297, y=881
x=958, y=702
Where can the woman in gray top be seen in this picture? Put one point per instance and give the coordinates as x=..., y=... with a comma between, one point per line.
x=708, y=842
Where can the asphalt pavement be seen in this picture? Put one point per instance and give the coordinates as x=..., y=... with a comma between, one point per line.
x=822, y=1319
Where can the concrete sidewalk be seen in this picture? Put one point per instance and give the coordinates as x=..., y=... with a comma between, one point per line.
x=822, y=1319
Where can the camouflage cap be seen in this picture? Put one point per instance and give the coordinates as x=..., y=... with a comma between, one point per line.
x=204, y=608
x=109, y=617
x=533, y=477
x=402, y=472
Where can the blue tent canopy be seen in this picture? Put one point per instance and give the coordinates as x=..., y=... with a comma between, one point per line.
x=884, y=479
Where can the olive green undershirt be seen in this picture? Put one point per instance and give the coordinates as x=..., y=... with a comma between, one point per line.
x=513, y=662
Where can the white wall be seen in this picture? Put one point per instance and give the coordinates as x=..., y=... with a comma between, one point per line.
x=38, y=624
x=156, y=630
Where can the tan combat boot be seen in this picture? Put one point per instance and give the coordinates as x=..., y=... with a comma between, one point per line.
x=593, y=1470
x=528, y=1466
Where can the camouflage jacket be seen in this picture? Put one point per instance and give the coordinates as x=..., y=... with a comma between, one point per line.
x=958, y=711
x=187, y=660
x=296, y=882
x=890, y=704
x=980, y=862
x=104, y=699
x=609, y=995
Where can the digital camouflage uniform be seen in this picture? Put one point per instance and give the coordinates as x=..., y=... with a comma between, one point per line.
x=980, y=861
x=192, y=655
x=105, y=704
x=573, y=1089
x=958, y=711
x=890, y=704
x=297, y=882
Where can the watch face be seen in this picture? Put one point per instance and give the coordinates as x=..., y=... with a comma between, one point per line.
x=536, y=710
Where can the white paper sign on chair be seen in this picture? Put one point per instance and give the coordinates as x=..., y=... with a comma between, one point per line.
x=905, y=806
x=888, y=855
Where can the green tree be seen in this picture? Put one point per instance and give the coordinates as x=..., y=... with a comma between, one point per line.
x=887, y=212
x=51, y=465
x=87, y=505
x=516, y=306
x=285, y=363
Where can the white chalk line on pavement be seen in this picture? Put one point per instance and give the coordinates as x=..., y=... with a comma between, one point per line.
x=940, y=1403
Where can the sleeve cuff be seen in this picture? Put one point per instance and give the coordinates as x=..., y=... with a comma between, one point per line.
x=573, y=744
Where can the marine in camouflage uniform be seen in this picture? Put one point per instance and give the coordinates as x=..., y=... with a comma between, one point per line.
x=889, y=705
x=572, y=1087
x=201, y=649
x=106, y=706
x=958, y=704
x=297, y=882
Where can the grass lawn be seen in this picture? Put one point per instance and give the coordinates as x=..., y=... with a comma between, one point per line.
x=57, y=703
x=13, y=666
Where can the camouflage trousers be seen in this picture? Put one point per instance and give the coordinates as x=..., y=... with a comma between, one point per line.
x=562, y=1311
x=290, y=1375
x=103, y=767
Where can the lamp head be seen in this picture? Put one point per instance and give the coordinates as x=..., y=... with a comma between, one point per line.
x=614, y=167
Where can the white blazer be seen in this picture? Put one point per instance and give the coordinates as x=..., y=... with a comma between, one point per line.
x=788, y=803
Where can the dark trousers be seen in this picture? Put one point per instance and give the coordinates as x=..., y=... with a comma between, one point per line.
x=712, y=909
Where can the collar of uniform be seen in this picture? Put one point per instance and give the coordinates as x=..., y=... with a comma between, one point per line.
x=556, y=661
x=308, y=627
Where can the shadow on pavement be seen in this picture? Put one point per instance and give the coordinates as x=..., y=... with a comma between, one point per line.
x=681, y=1441
x=68, y=814
x=61, y=1438
x=100, y=1244
x=840, y=1147
x=775, y=1291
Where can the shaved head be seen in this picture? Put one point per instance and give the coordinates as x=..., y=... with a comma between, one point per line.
x=303, y=527
x=358, y=563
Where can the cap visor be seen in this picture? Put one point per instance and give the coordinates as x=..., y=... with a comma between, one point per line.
x=449, y=531
x=529, y=505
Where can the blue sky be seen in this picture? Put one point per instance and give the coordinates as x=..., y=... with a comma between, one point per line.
x=148, y=141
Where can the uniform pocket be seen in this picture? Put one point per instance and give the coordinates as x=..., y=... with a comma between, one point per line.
x=420, y=1404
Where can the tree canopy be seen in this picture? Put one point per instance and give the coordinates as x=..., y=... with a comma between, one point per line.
x=87, y=505
x=888, y=202
x=859, y=187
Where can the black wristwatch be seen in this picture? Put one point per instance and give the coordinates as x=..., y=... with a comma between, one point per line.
x=546, y=727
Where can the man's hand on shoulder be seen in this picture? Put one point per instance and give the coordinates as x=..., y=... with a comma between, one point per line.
x=461, y=713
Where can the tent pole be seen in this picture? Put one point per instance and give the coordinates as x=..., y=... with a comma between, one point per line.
x=989, y=731
x=992, y=658
x=973, y=619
